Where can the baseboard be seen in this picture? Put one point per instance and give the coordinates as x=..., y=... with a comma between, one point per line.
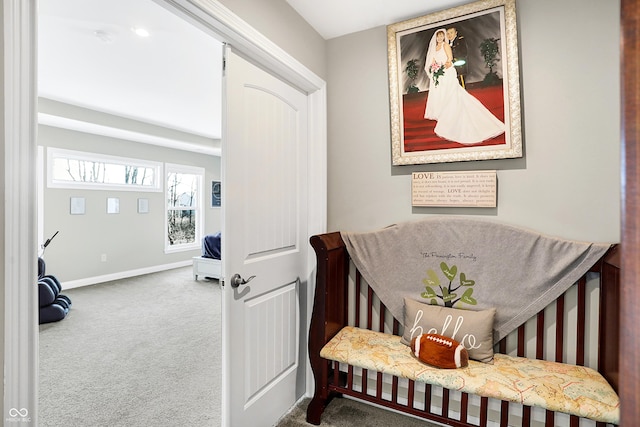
x=123, y=275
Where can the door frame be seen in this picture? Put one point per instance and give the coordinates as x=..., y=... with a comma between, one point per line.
x=629, y=385
x=20, y=148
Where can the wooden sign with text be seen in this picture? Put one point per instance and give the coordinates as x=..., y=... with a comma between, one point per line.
x=458, y=189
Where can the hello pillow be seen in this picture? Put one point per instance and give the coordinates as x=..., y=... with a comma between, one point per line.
x=473, y=329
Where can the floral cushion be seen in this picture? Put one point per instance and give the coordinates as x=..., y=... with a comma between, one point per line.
x=561, y=387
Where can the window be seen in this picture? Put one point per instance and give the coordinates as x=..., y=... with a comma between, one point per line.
x=78, y=169
x=184, y=208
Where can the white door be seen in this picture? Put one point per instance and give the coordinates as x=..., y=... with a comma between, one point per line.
x=264, y=152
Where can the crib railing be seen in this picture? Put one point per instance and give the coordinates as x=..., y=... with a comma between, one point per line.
x=581, y=327
x=565, y=331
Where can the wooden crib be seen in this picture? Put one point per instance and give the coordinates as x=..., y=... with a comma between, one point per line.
x=563, y=332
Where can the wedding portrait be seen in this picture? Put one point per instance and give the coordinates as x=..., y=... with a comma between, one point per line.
x=454, y=90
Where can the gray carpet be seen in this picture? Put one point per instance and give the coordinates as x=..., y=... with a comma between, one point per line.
x=343, y=412
x=144, y=351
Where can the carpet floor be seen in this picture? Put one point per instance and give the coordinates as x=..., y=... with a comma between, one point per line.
x=343, y=412
x=144, y=351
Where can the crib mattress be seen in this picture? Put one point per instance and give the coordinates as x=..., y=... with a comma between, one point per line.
x=576, y=390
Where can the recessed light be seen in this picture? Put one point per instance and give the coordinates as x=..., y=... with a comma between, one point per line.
x=141, y=32
x=104, y=36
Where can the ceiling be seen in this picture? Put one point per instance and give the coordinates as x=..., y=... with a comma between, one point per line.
x=334, y=18
x=89, y=55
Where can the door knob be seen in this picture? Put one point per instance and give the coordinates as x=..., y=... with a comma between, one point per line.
x=237, y=280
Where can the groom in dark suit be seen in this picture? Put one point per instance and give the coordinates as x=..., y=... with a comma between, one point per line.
x=459, y=48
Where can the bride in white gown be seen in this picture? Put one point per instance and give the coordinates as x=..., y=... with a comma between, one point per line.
x=460, y=116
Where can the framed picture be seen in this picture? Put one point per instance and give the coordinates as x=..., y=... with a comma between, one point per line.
x=143, y=206
x=454, y=85
x=113, y=205
x=216, y=194
x=77, y=206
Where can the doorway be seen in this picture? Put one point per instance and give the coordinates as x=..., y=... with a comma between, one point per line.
x=103, y=90
x=20, y=100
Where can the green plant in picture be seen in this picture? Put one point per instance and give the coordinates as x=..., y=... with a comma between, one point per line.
x=489, y=50
x=448, y=293
x=412, y=71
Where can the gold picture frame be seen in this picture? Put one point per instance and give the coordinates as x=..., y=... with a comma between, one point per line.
x=488, y=28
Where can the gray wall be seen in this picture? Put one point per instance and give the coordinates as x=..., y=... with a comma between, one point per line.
x=131, y=241
x=85, y=115
x=281, y=24
x=568, y=182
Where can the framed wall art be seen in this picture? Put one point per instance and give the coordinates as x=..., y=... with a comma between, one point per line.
x=143, y=206
x=216, y=194
x=77, y=206
x=113, y=205
x=454, y=85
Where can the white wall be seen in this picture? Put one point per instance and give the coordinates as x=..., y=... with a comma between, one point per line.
x=2, y=217
x=568, y=182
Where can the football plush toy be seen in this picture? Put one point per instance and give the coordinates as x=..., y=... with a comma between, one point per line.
x=440, y=351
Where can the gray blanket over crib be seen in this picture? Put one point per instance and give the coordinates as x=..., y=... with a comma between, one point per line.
x=470, y=264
